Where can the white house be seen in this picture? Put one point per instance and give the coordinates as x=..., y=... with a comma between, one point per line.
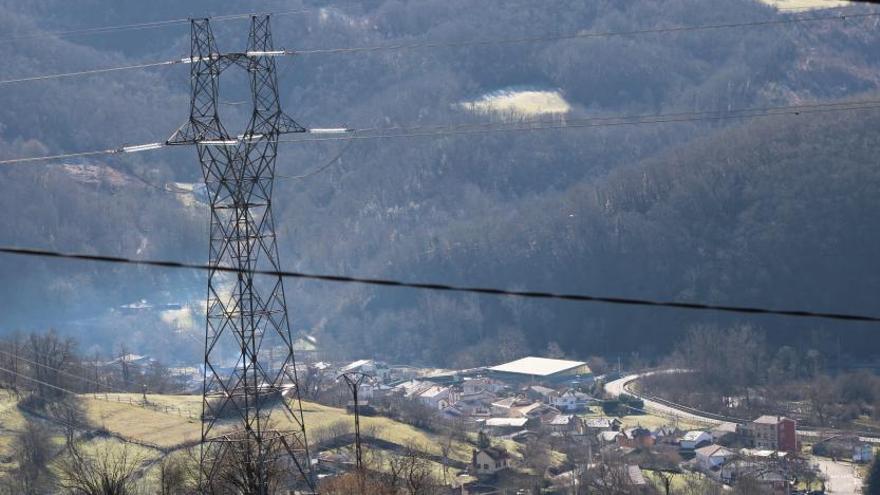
x=569, y=400
x=437, y=397
x=694, y=439
x=712, y=456
x=367, y=366
x=490, y=460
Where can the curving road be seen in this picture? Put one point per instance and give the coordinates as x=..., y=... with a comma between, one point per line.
x=619, y=386
x=842, y=477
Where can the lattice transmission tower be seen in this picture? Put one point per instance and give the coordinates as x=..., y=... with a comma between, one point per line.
x=249, y=367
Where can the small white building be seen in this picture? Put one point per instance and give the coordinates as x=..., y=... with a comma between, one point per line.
x=437, y=397
x=694, y=439
x=570, y=400
x=712, y=456
x=490, y=460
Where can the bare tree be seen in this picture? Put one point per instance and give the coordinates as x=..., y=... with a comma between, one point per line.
x=178, y=474
x=109, y=471
x=124, y=365
x=536, y=455
x=11, y=349
x=32, y=451
x=609, y=477
x=50, y=355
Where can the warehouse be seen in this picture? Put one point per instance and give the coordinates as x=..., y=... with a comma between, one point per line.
x=537, y=369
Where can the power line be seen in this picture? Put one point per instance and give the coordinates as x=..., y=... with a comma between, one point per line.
x=90, y=72
x=448, y=288
x=319, y=169
x=41, y=382
x=137, y=26
x=78, y=377
x=585, y=35
x=590, y=123
x=472, y=43
x=395, y=132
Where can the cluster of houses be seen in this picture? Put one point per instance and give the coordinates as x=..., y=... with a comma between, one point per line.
x=525, y=394
x=545, y=398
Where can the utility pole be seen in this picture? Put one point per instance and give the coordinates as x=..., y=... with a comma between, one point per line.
x=246, y=314
x=354, y=381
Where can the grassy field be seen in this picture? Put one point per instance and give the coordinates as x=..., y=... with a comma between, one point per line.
x=174, y=429
x=142, y=424
x=648, y=421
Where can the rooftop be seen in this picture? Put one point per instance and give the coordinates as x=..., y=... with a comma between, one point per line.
x=694, y=435
x=515, y=422
x=714, y=450
x=537, y=366
x=769, y=420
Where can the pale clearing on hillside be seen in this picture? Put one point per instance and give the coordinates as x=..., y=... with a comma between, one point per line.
x=805, y=4
x=520, y=103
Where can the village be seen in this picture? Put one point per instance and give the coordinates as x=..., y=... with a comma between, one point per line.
x=552, y=420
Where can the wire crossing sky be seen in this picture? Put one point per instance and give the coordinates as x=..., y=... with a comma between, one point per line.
x=439, y=130
x=427, y=45
x=448, y=288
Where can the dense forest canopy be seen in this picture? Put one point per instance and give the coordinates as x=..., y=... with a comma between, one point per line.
x=775, y=212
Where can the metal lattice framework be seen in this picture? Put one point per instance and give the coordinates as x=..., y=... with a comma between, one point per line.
x=249, y=366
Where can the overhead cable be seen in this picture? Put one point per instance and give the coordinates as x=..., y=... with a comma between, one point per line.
x=395, y=132
x=584, y=35
x=448, y=288
x=472, y=43
x=138, y=26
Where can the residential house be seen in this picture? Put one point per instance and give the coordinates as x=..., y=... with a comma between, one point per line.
x=607, y=437
x=536, y=410
x=504, y=407
x=666, y=434
x=539, y=392
x=370, y=367
x=479, y=385
x=694, y=439
x=412, y=388
x=476, y=405
x=772, y=433
x=712, y=456
x=570, y=400
x=501, y=426
x=596, y=425
x=564, y=424
x=637, y=438
x=723, y=432
x=769, y=474
x=437, y=397
x=490, y=460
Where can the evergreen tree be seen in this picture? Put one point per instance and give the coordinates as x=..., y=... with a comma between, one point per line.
x=872, y=484
x=483, y=440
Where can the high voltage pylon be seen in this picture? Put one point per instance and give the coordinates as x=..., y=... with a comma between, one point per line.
x=249, y=366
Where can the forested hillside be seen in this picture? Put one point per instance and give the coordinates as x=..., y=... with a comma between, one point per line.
x=774, y=212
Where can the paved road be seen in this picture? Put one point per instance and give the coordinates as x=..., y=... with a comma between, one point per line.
x=841, y=477
x=617, y=387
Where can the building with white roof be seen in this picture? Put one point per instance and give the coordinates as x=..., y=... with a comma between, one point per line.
x=695, y=439
x=541, y=369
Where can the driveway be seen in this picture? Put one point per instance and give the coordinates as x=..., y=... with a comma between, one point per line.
x=841, y=477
